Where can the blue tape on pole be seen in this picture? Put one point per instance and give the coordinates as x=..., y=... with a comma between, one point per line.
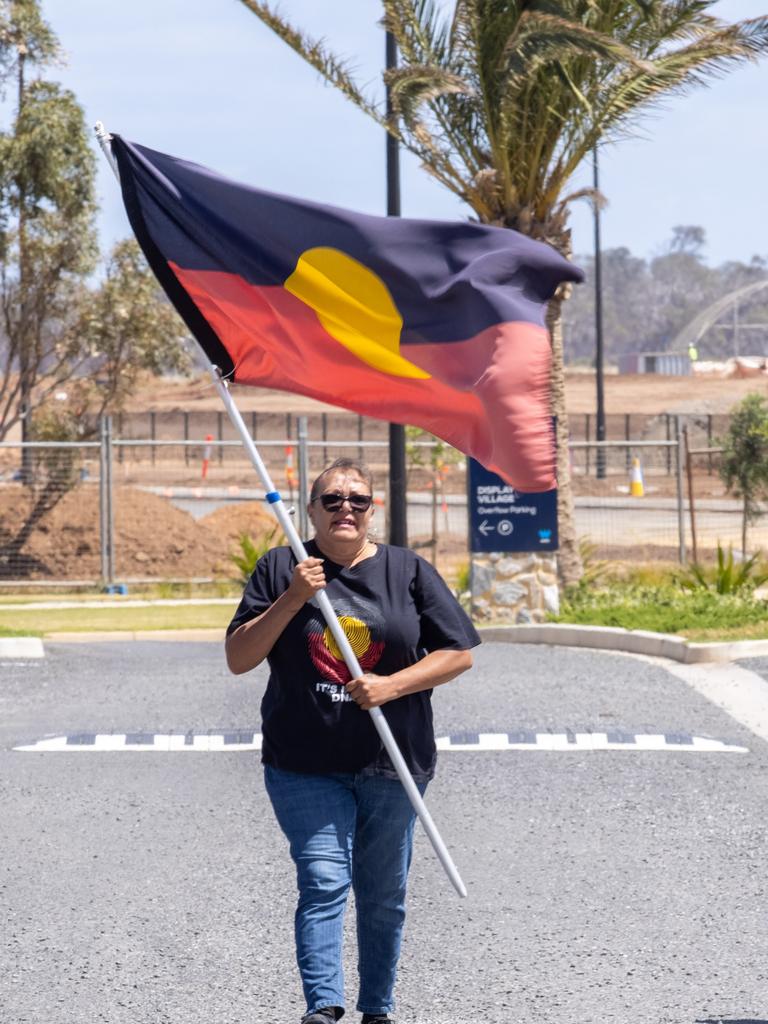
x=273, y=496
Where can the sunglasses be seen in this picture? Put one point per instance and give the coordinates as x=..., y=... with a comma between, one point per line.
x=334, y=502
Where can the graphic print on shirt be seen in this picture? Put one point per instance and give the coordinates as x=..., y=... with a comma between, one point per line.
x=363, y=625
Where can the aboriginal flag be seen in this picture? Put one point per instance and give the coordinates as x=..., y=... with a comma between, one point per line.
x=435, y=324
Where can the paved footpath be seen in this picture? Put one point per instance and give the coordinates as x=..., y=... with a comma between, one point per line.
x=623, y=884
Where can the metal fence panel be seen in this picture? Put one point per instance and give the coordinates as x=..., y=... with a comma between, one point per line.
x=179, y=504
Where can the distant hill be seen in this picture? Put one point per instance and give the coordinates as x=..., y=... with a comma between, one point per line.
x=647, y=302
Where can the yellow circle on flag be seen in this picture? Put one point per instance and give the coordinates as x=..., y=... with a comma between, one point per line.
x=354, y=306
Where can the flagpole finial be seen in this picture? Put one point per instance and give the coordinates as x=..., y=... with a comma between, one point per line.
x=105, y=138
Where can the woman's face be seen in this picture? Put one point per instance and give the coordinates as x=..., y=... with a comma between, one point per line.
x=343, y=525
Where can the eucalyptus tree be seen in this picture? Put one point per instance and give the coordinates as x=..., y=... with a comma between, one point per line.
x=502, y=100
x=47, y=236
x=63, y=332
x=128, y=329
x=60, y=324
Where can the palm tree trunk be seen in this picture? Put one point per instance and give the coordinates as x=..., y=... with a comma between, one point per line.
x=569, y=563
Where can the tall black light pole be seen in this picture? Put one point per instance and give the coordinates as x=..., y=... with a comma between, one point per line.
x=600, y=460
x=398, y=525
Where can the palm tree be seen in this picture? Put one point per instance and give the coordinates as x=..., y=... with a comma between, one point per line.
x=504, y=99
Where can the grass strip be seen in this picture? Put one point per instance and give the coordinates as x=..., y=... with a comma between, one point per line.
x=756, y=631
x=94, y=620
x=18, y=632
x=699, y=615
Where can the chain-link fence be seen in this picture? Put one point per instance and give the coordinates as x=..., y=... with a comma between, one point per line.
x=179, y=425
x=158, y=509
x=684, y=511
x=128, y=509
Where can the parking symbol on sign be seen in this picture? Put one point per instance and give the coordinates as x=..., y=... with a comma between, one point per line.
x=504, y=527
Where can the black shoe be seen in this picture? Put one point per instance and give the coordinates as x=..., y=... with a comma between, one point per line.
x=325, y=1016
x=377, y=1018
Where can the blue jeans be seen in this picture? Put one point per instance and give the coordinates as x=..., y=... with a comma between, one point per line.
x=344, y=829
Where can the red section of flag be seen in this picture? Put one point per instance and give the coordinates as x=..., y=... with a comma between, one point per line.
x=335, y=669
x=488, y=396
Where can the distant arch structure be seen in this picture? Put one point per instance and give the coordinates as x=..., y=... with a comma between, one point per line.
x=693, y=332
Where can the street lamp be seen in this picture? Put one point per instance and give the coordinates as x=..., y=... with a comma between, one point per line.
x=600, y=432
x=396, y=513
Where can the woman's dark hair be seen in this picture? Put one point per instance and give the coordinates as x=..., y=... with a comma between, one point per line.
x=347, y=466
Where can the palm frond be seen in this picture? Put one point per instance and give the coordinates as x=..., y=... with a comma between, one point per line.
x=680, y=70
x=332, y=68
x=420, y=30
x=539, y=37
x=417, y=84
x=503, y=99
x=413, y=87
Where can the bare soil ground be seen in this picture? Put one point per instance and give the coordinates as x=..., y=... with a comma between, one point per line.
x=654, y=394
x=153, y=539
x=639, y=393
x=198, y=393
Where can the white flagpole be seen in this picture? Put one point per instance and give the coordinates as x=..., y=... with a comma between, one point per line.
x=281, y=513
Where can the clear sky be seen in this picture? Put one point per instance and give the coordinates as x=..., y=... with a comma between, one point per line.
x=205, y=80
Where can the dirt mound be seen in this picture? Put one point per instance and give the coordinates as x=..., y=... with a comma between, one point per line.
x=230, y=522
x=152, y=538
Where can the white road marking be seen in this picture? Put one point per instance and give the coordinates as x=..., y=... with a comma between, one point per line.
x=591, y=741
x=526, y=740
x=16, y=647
x=163, y=743
x=738, y=691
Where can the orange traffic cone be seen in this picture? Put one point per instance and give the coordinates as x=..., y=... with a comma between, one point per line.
x=207, y=454
x=289, y=468
x=636, y=487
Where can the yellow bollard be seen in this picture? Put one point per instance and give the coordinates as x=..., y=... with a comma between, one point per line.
x=636, y=488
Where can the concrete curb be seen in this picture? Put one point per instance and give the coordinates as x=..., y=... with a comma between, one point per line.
x=609, y=638
x=558, y=634
x=21, y=647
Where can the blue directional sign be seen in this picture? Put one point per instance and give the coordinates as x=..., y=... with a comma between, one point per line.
x=503, y=519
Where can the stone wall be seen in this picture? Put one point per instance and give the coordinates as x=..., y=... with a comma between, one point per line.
x=515, y=588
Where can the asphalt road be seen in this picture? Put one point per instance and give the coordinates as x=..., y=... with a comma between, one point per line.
x=148, y=887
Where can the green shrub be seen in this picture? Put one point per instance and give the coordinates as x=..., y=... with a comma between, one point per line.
x=250, y=552
x=661, y=609
x=744, y=461
x=727, y=577
x=463, y=575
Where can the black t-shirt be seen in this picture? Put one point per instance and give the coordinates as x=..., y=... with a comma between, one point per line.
x=395, y=608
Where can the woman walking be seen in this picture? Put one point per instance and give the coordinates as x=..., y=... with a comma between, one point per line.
x=333, y=788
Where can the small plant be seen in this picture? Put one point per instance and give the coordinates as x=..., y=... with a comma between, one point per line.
x=727, y=577
x=463, y=575
x=744, y=463
x=594, y=570
x=167, y=590
x=250, y=552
